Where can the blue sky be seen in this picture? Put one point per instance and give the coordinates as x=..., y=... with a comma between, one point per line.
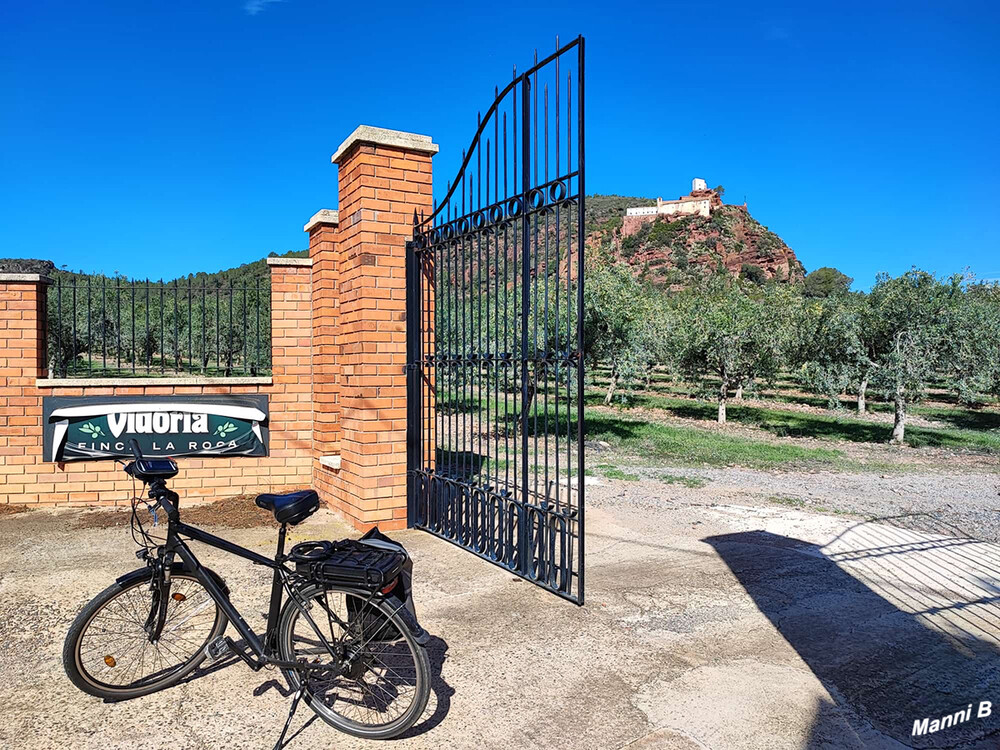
x=157, y=138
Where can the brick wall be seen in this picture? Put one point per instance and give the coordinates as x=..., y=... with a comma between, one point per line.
x=384, y=178
x=26, y=479
x=338, y=389
x=322, y=229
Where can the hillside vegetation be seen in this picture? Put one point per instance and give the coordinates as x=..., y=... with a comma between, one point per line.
x=682, y=250
x=238, y=276
x=723, y=336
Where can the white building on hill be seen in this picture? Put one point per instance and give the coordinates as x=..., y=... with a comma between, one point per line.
x=700, y=202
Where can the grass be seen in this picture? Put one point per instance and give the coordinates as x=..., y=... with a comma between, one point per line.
x=690, y=446
x=832, y=426
x=796, y=502
x=615, y=473
x=944, y=406
x=693, y=483
x=789, y=500
x=683, y=445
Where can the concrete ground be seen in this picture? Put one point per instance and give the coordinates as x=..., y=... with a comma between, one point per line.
x=723, y=626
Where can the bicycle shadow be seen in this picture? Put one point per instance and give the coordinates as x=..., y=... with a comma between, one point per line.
x=205, y=671
x=438, y=705
x=440, y=701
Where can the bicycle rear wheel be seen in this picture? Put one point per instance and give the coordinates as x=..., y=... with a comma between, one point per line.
x=108, y=653
x=386, y=689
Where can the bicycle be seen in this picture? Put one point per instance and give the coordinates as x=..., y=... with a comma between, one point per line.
x=341, y=624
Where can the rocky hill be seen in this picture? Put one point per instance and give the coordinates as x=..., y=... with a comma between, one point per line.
x=674, y=250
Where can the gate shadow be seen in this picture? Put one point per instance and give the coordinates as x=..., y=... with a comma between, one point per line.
x=462, y=466
x=898, y=624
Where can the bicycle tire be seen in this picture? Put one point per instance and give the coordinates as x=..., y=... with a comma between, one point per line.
x=290, y=615
x=125, y=586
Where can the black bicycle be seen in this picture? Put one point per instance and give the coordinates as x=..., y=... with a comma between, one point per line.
x=341, y=623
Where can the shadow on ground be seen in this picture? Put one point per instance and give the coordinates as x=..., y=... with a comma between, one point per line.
x=900, y=623
x=437, y=707
x=828, y=425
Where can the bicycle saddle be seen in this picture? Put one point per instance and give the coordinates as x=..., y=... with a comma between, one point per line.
x=292, y=507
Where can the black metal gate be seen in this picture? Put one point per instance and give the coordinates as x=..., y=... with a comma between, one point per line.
x=494, y=336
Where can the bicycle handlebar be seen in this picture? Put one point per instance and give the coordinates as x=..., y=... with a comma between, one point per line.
x=136, y=451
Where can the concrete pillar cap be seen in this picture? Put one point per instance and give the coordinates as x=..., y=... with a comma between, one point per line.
x=289, y=262
x=384, y=137
x=323, y=216
x=25, y=277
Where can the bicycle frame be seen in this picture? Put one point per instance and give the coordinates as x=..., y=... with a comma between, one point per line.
x=264, y=652
x=373, y=573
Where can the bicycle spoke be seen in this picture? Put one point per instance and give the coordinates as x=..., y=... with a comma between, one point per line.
x=116, y=632
x=386, y=687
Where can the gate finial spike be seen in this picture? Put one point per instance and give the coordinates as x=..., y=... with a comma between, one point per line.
x=414, y=217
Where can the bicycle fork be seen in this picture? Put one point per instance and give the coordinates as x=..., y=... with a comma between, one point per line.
x=159, y=595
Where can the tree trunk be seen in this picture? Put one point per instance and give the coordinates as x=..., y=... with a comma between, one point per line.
x=862, y=389
x=611, y=388
x=899, y=426
x=723, y=393
x=739, y=392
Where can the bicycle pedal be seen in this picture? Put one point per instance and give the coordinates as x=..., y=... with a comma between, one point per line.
x=218, y=648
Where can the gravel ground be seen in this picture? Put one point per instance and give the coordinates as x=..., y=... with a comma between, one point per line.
x=958, y=503
x=714, y=619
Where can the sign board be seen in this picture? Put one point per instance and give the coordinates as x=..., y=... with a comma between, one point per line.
x=100, y=427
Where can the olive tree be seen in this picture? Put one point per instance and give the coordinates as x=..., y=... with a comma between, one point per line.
x=834, y=343
x=908, y=315
x=734, y=331
x=970, y=352
x=626, y=324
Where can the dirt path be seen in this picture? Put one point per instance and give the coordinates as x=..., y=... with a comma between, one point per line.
x=709, y=623
x=967, y=501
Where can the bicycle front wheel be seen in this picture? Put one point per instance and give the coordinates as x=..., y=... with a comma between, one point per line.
x=386, y=686
x=108, y=653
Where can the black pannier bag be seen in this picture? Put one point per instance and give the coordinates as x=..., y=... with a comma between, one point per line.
x=371, y=564
x=348, y=563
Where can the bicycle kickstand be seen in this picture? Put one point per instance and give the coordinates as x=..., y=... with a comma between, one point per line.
x=291, y=712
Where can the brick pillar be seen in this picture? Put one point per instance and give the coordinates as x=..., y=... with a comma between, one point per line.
x=385, y=176
x=22, y=360
x=322, y=229
x=291, y=369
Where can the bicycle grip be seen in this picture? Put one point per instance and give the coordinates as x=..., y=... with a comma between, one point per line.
x=134, y=445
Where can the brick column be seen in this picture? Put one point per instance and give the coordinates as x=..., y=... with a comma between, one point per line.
x=291, y=371
x=22, y=360
x=322, y=229
x=385, y=176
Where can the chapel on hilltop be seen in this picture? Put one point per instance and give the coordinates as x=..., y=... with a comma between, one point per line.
x=700, y=201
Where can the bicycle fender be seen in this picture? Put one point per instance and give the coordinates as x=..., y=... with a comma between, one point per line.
x=421, y=636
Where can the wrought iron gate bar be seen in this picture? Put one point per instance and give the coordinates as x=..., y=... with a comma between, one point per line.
x=495, y=458
x=483, y=122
